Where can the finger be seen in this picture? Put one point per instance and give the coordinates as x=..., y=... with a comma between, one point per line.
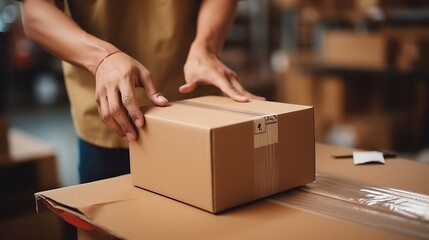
x=117, y=111
x=256, y=97
x=103, y=111
x=156, y=97
x=236, y=84
x=187, y=87
x=233, y=77
x=129, y=100
x=218, y=81
x=226, y=87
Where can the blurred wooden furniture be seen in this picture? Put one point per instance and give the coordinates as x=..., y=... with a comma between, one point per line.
x=30, y=166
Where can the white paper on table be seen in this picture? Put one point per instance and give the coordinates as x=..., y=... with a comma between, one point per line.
x=361, y=157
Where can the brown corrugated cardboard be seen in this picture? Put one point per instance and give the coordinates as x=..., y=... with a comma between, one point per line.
x=215, y=153
x=118, y=208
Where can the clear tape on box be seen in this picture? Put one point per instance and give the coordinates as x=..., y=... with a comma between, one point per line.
x=266, y=162
x=390, y=209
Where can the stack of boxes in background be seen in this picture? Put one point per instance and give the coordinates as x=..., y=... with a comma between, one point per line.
x=362, y=64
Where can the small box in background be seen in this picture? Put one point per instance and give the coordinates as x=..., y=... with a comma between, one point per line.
x=348, y=49
x=215, y=153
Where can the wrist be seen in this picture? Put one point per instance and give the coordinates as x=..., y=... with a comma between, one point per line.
x=98, y=50
x=104, y=58
x=203, y=48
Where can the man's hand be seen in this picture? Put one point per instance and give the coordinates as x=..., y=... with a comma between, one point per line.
x=203, y=67
x=116, y=77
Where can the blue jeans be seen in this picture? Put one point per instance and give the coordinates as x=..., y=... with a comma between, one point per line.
x=96, y=163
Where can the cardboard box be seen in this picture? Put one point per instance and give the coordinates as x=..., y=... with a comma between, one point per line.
x=327, y=93
x=215, y=153
x=348, y=49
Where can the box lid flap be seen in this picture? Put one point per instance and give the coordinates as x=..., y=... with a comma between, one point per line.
x=198, y=112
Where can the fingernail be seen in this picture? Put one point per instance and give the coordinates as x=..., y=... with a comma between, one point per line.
x=130, y=137
x=138, y=123
x=243, y=98
x=162, y=98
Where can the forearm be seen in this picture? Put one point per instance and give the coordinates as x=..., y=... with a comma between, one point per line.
x=49, y=27
x=214, y=21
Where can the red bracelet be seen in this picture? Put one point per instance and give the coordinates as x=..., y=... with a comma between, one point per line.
x=102, y=60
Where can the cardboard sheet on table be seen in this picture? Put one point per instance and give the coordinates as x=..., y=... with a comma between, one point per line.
x=128, y=212
x=397, y=173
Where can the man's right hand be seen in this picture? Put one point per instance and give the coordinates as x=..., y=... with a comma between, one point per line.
x=116, y=77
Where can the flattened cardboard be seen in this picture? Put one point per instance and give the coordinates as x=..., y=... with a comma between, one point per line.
x=126, y=212
x=215, y=153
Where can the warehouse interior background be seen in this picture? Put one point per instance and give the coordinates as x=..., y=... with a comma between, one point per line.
x=363, y=64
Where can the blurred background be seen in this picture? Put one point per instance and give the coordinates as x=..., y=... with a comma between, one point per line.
x=363, y=64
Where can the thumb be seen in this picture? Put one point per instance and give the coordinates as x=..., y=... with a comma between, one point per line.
x=154, y=95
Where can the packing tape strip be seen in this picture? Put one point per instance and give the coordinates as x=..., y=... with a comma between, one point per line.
x=266, y=154
x=385, y=208
x=265, y=129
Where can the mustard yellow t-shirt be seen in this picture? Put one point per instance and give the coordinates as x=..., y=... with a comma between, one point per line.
x=157, y=33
